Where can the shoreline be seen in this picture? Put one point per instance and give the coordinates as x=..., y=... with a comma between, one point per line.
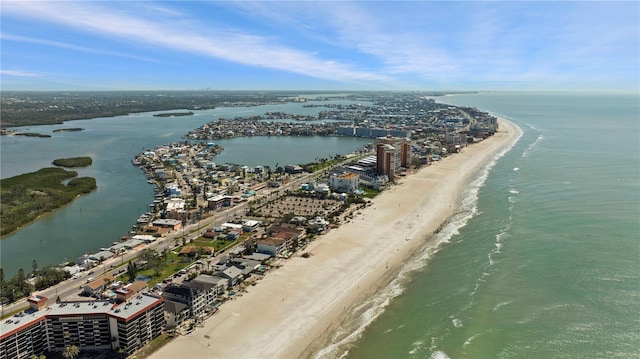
x=295, y=309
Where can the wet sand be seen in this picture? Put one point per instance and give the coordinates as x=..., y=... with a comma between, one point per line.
x=293, y=311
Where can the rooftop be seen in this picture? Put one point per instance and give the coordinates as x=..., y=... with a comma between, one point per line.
x=124, y=311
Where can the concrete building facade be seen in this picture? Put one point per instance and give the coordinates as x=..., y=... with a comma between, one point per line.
x=92, y=325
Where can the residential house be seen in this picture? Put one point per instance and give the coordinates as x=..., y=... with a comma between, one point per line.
x=127, y=292
x=96, y=287
x=233, y=274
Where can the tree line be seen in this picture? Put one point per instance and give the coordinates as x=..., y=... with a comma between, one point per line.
x=19, y=286
x=18, y=108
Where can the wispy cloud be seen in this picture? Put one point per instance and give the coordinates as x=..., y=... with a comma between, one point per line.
x=63, y=45
x=18, y=73
x=189, y=36
x=389, y=45
x=354, y=27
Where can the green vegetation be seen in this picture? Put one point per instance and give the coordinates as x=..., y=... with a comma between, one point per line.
x=217, y=244
x=31, y=134
x=173, y=114
x=18, y=286
x=71, y=129
x=50, y=276
x=27, y=196
x=14, y=312
x=70, y=352
x=153, y=345
x=370, y=192
x=322, y=163
x=22, y=108
x=159, y=266
x=73, y=162
x=15, y=288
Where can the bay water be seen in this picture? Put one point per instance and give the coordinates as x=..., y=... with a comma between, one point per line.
x=98, y=219
x=543, y=258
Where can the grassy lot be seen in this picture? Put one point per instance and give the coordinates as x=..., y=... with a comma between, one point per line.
x=152, y=346
x=172, y=264
x=370, y=193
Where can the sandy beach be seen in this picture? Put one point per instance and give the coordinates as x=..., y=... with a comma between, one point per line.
x=292, y=312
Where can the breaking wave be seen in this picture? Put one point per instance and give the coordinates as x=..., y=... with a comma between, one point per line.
x=532, y=146
x=364, y=314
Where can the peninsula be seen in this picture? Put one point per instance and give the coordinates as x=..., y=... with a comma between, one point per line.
x=295, y=311
x=219, y=233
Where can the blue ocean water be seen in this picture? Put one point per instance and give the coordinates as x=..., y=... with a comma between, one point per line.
x=543, y=260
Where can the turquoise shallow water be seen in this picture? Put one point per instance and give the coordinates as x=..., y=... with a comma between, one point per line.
x=547, y=265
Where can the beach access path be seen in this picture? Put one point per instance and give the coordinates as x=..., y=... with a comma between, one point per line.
x=293, y=311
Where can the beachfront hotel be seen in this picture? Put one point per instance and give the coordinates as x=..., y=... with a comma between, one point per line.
x=392, y=153
x=91, y=325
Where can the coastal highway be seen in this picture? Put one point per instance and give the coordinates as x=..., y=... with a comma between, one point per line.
x=72, y=287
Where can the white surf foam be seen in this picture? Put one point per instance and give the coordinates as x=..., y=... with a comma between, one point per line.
x=456, y=322
x=502, y=304
x=468, y=341
x=439, y=355
x=367, y=312
x=416, y=347
x=532, y=146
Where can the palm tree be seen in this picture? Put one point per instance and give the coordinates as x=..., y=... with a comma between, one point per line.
x=122, y=351
x=70, y=352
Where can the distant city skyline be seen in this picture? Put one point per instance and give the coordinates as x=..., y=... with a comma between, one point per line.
x=273, y=45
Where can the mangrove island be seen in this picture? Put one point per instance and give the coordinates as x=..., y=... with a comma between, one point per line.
x=27, y=196
x=73, y=162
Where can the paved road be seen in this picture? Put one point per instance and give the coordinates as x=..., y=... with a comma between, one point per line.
x=71, y=287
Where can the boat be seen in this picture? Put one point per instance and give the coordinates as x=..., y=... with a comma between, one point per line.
x=143, y=219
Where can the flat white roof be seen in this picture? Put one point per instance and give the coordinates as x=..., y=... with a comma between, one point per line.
x=124, y=311
x=251, y=223
x=144, y=237
x=231, y=225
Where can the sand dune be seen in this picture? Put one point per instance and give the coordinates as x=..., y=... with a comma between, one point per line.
x=294, y=310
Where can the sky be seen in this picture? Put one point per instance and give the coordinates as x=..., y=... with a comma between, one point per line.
x=320, y=45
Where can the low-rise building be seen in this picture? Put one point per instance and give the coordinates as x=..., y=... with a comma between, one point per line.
x=129, y=291
x=271, y=246
x=101, y=256
x=250, y=225
x=95, y=287
x=233, y=274
x=346, y=182
x=173, y=224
